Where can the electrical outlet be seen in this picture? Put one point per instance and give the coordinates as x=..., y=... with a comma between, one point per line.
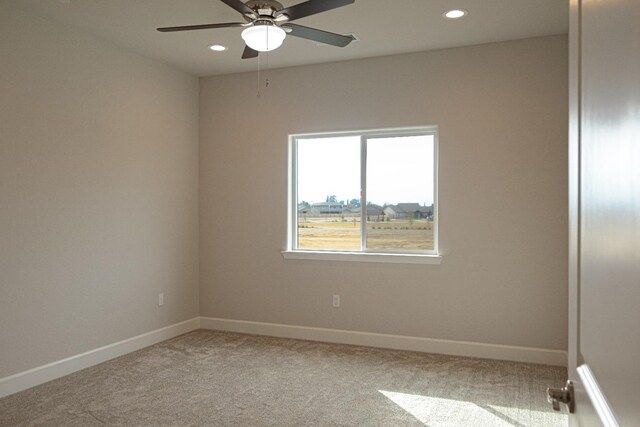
x=160, y=300
x=336, y=301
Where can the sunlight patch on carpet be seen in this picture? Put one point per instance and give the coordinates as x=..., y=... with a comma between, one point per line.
x=441, y=412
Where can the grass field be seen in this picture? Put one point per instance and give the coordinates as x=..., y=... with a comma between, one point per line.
x=345, y=234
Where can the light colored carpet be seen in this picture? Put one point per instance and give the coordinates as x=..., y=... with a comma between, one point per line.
x=209, y=378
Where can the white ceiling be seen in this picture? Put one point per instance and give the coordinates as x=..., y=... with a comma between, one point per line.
x=384, y=27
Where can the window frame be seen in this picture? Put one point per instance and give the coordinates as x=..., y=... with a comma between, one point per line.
x=365, y=254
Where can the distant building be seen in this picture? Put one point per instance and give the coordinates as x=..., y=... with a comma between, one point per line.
x=326, y=208
x=351, y=210
x=408, y=210
x=399, y=211
x=372, y=210
x=304, y=208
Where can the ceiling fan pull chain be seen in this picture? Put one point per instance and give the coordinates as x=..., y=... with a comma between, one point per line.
x=259, y=59
x=266, y=80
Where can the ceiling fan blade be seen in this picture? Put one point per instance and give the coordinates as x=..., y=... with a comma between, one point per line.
x=240, y=7
x=318, y=35
x=202, y=27
x=249, y=53
x=311, y=7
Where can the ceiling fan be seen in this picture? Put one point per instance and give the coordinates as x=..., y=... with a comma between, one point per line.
x=268, y=23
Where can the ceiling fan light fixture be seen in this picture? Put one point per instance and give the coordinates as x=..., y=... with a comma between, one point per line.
x=263, y=37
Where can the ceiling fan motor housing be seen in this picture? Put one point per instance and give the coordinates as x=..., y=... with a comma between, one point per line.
x=264, y=8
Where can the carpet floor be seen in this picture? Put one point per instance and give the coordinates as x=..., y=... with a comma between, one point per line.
x=211, y=378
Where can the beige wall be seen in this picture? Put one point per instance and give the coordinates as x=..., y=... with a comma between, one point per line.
x=98, y=193
x=502, y=112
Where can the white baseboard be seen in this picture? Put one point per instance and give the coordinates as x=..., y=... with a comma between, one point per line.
x=42, y=374
x=398, y=342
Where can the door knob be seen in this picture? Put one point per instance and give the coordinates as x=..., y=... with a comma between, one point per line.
x=565, y=395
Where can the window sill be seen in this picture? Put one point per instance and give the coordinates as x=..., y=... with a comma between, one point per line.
x=363, y=257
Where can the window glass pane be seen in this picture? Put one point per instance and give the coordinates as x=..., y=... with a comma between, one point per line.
x=329, y=193
x=400, y=193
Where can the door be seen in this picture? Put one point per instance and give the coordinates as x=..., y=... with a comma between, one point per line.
x=604, y=212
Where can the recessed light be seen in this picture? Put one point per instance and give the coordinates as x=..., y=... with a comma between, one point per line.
x=455, y=13
x=217, y=47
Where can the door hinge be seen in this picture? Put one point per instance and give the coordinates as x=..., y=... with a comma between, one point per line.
x=565, y=395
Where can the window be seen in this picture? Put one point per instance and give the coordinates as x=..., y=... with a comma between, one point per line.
x=370, y=192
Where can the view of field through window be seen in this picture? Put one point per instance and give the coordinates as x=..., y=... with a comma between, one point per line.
x=399, y=213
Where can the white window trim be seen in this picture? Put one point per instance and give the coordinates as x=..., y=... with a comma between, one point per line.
x=366, y=255
x=404, y=258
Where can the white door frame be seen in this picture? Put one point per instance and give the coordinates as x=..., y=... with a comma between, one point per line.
x=592, y=408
